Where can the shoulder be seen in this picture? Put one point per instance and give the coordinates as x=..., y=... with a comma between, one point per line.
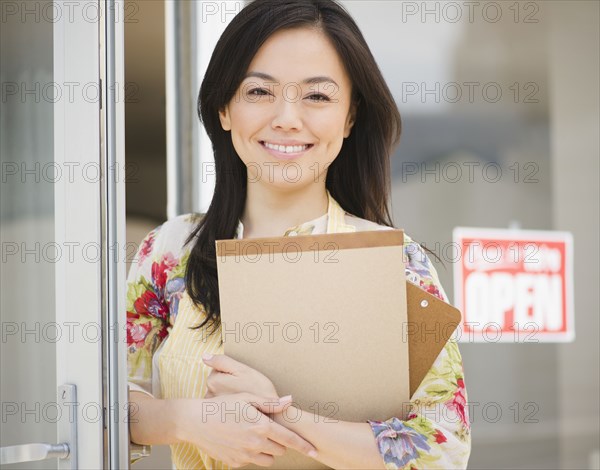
x=167, y=240
x=171, y=247
x=419, y=267
x=173, y=232
x=163, y=248
x=363, y=225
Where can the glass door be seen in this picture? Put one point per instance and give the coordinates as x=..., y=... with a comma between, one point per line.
x=61, y=229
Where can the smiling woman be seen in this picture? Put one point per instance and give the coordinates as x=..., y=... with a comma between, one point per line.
x=302, y=125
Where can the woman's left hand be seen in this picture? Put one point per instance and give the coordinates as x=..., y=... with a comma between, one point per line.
x=229, y=376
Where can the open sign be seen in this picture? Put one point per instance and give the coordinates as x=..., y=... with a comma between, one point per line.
x=514, y=285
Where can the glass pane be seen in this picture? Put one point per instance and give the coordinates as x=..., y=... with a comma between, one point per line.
x=499, y=102
x=27, y=307
x=474, y=100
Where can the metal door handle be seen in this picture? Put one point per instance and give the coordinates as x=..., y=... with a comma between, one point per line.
x=31, y=452
x=67, y=432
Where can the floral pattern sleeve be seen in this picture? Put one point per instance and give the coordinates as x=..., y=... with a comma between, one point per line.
x=436, y=431
x=155, y=283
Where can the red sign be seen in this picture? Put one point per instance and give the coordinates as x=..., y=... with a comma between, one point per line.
x=514, y=285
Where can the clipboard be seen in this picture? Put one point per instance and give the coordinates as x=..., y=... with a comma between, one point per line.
x=383, y=322
x=431, y=322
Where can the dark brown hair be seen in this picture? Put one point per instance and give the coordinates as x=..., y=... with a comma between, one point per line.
x=359, y=177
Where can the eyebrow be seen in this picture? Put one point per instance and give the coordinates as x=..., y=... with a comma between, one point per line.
x=309, y=81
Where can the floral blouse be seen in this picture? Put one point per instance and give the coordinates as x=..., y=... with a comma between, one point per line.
x=436, y=431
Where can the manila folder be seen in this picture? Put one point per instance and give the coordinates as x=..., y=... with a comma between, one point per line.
x=324, y=317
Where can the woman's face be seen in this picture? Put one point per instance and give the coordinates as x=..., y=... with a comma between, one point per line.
x=296, y=94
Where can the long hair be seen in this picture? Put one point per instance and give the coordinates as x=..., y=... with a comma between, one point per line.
x=359, y=177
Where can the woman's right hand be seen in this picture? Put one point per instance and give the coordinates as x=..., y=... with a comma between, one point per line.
x=235, y=429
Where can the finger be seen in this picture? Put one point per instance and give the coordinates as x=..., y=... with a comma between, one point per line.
x=221, y=384
x=262, y=460
x=273, y=448
x=287, y=438
x=223, y=363
x=269, y=405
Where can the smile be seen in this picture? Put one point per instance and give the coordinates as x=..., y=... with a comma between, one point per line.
x=285, y=152
x=286, y=148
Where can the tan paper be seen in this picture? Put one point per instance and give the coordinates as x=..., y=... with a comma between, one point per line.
x=325, y=318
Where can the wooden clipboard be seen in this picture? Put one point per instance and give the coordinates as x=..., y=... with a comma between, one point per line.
x=431, y=322
x=389, y=330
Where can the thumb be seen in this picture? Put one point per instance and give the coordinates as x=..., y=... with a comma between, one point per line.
x=221, y=363
x=269, y=404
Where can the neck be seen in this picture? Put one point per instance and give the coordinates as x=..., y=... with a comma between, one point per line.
x=270, y=212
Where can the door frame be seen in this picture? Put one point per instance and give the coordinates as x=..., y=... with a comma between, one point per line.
x=90, y=215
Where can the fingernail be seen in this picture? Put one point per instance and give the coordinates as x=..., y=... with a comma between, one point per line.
x=313, y=454
x=286, y=398
x=207, y=356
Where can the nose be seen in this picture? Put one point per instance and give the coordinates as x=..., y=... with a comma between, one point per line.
x=288, y=115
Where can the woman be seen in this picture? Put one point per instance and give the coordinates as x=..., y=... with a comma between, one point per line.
x=302, y=125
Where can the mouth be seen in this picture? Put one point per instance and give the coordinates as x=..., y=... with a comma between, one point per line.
x=285, y=151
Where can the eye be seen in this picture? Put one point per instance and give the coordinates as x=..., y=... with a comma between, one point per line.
x=258, y=92
x=318, y=97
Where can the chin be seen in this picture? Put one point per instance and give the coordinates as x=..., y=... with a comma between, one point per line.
x=279, y=184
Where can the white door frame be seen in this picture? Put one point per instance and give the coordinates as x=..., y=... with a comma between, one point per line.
x=90, y=215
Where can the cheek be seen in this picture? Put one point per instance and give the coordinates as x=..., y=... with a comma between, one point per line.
x=330, y=132
x=242, y=129
x=246, y=124
x=245, y=112
x=330, y=124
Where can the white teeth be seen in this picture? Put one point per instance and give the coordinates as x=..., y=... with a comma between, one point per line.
x=286, y=149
